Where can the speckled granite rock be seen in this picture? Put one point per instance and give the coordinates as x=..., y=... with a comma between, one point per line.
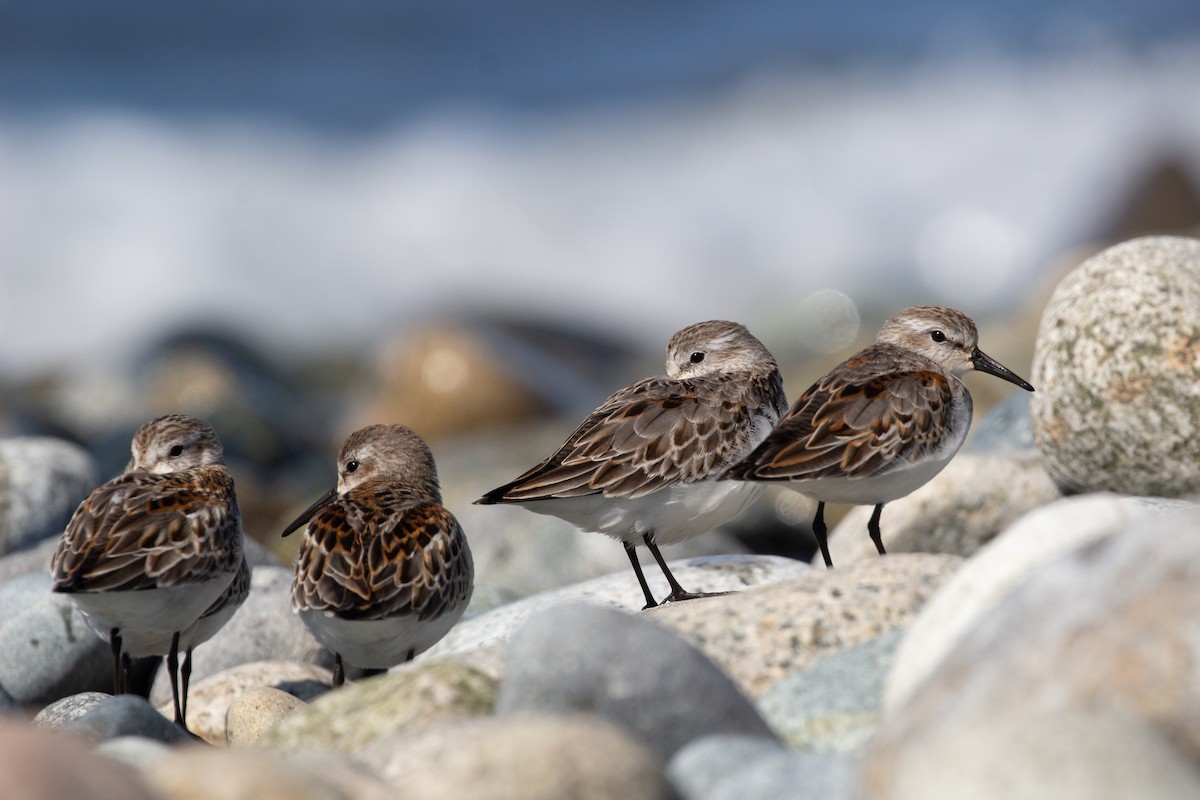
x=67, y=710
x=1108, y=628
x=526, y=757
x=1032, y=541
x=348, y=717
x=1117, y=368
x=760, y=636
x=126, y=715
x=963, y=507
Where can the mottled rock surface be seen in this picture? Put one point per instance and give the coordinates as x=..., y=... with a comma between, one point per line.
x=760, y=636
x=348, y=717
x=524, y=757
x=1117, y=370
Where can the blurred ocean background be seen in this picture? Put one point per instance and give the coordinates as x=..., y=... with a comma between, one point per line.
x=480, y=217
x=316, y=174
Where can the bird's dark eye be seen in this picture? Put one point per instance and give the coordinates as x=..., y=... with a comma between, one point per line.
x=937, y=336
x=351, y=465
x=176, y=451
x=697, y=358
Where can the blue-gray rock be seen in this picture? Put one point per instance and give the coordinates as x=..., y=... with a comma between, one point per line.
x=47, y=651
x=1007, y=427
x=263, y=629
x=63, y=712
x=726, y=767
x=42, y=480
x=835, y=703
x=127, y=715
x=31, y=559
x=626, y=669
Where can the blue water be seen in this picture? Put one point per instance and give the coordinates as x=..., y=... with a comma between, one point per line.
x=369, y=63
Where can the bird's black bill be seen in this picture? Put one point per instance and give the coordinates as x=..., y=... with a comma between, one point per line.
x=303, y=519
x=985, y=363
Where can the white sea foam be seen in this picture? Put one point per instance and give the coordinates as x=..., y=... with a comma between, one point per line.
x=650, y=216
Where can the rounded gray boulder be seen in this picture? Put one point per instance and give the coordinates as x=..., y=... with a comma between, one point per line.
x=1117, y=370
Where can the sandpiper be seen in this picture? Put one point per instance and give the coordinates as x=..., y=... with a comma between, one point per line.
x=882, y=423
x=384, y=570
x=642, y=468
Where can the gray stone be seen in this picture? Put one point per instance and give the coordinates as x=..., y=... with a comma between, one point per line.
x=961, y=509
x=524, y=757
x=348, y=717
x=1035, y=539
x=1107, y=628
x=263, y=629
x=127, y=715
x=42, y=480
x=836, y=702
x=135, y=751
x=1117, y=370
x=725, y=767
x=762, y=635
x=1065, y=754
x=1007, y=427
x=67, y=710
x=47, y=765
x=47, y=651
x=478, y=641
x=579, y=657
x=31, y=559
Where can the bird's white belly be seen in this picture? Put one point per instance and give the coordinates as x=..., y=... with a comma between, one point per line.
x=673, y=514
x=148, y=619
x=382, y=643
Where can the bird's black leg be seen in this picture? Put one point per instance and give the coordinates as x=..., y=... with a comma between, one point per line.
x=185, y=678
x=339, y=672
x=114, y=640
x=126, y=671
x=677, y=591
x=173, y=670
x=637, y=568
x=821, y=532
x=873, y=529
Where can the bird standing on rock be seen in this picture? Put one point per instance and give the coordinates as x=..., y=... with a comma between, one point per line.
x=883, y=422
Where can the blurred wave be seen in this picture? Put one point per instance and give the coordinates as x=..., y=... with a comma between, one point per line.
x=316, y=177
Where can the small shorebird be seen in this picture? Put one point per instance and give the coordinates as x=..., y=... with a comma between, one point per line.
x=384, y=570
x=211, y=621
x=147, y=553
x=642, y=468
x=883, y=422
